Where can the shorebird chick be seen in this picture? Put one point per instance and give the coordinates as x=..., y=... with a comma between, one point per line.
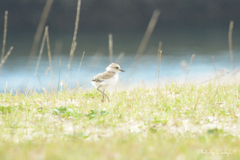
x=107, y=79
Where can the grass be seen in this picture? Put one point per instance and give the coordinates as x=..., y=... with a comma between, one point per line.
x=171, y=122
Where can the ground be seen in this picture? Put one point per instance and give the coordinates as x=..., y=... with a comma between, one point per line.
x=174, y=121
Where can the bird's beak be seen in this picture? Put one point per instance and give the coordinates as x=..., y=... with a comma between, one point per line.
x=122, y=70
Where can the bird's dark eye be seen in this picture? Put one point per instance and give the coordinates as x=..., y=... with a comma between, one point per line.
x=117, y=67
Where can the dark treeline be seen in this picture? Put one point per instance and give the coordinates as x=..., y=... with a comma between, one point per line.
x=120, y=15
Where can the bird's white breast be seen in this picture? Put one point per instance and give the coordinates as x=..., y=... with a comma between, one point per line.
x=110, y=82
x=106, y=82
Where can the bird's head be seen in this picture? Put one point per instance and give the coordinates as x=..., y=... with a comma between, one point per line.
x=114, y=67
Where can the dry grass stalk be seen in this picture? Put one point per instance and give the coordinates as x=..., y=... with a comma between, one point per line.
x=189, y=67
x=80, y=65
x=80, y=85
x=40, y=52
x=4, y=34
x=230, y=42
x=191, y=62
x=234, y=71
x=6, y=56
x=40, y=28
x=120, y=57
x=49, y=53
x=47, y=70
x=81, y=61
x=44, y=90
x=146, y=37
x=159, y=58
x=74, y=43
x=159, y=64
x=110, y=48
x=184, y=67
x=59, y=75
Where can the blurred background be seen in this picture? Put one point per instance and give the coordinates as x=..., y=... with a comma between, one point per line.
x=184, y=27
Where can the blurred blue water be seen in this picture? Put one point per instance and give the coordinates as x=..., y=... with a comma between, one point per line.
x=16, y=74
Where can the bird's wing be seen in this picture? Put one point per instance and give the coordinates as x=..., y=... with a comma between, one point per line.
x=103, y=76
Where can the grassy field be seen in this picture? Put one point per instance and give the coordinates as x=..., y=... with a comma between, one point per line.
x=175, y=121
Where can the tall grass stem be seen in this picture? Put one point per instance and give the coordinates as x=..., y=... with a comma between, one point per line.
x=4, y=34
x=230, y=42
x=159, y=64
x=40, y=52
x=74, y=43
x=146, y=38
x=49, y=54
x=39, y=32
x=59, y=75
x=110, y=48
x=189, y=67
x=159, y=58
x=80, y=64
x=119, y=58
x=80, y=85
x=6, y=56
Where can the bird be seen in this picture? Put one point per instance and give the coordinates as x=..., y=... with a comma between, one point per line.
x=104, y=80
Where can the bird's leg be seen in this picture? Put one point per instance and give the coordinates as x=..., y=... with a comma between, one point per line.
x=106, y=95
x=103, y=93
